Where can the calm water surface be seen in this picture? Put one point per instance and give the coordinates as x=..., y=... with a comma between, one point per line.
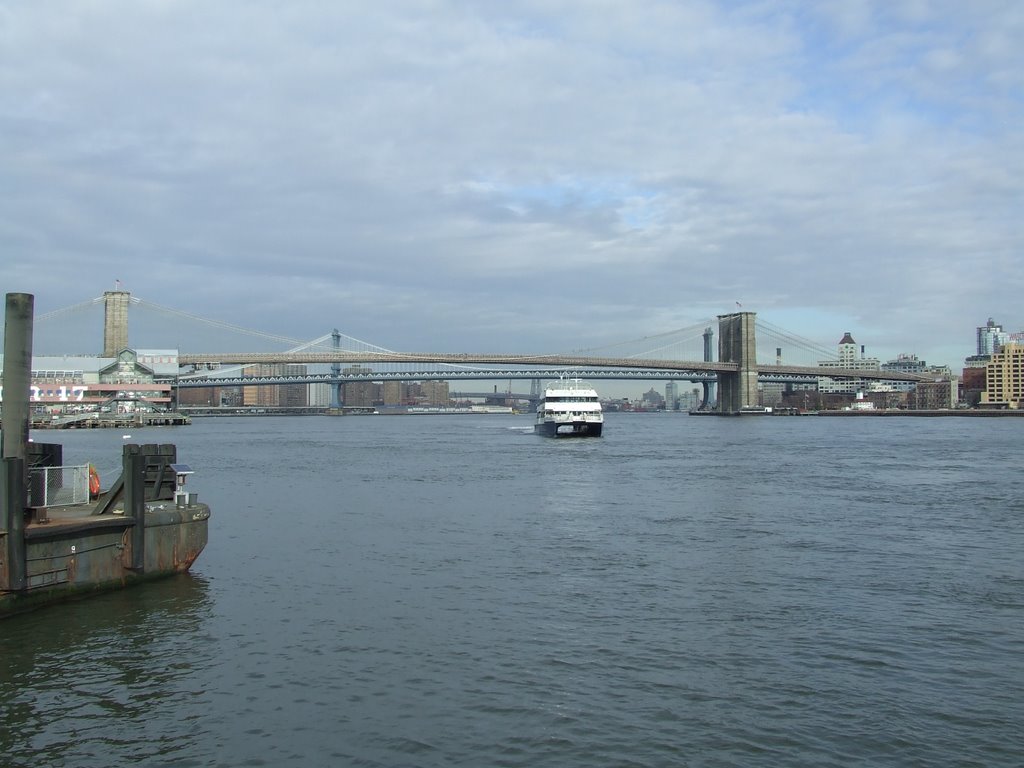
x=453, y=590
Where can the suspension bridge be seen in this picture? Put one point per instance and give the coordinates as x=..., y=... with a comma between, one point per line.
x=688, y=354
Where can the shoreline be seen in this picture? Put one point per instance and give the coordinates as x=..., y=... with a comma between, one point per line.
x=969, y=412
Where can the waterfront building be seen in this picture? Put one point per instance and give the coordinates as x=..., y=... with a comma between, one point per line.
x=941, y=394
x=773, y=394
x=906, y=363
x=71, y=384
x=972, y=384
x=275, y=395
x=432, y=393
x=690, y=401
x=294, y=395
x=258, y=395
x=319, y=395
x=1004, y=378
x=392, y=393
x=203, y=397
x=360, y=394
x=368, y=394
x=770, y=393
x=847, y=358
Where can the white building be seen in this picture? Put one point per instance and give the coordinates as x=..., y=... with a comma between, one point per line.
x=847, y=358
x=319, y=394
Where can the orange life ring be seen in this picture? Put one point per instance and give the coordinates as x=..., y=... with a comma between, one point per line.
x=94, y=481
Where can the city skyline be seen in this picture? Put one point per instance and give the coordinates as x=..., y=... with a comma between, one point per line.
x=450, y=176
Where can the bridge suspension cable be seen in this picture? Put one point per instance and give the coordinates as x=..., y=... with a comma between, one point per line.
x=296, y=343
x=678, y=336
x=64, y=310
x=806, y=345
x=216, y=323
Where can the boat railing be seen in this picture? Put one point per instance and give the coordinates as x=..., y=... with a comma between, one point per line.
x=58, y=486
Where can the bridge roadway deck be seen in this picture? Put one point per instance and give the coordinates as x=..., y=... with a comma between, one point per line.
x=678, y=368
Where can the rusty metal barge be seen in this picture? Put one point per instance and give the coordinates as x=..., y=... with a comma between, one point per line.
x=60, y=536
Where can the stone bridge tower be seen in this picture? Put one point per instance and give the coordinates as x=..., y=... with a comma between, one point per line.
x=115, y=322
x=736, y=344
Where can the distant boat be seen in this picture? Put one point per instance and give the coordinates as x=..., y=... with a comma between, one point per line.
x=570, y=408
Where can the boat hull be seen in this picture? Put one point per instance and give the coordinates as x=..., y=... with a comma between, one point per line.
x=568, y=428
x=75, y=557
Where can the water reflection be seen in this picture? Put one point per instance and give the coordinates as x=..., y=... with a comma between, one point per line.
x=70, y=671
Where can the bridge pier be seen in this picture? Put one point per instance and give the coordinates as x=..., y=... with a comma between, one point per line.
x=737, y=391
x=115, y=321
x=336, y=396
x=708, y=386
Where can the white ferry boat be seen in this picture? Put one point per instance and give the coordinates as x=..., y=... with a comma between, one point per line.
x=570, y=408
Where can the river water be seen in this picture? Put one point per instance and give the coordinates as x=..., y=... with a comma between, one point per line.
x=453, y=590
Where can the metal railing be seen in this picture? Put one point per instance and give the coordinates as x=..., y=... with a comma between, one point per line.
x=58, y=486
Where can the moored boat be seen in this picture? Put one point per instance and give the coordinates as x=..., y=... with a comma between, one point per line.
x=570, y=408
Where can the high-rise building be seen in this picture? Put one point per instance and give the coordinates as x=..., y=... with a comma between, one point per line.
x=319, y=394
x=690, y=401
x=294, y=395
x=435, y=393
x=1004, y=378
x=275, y=395
x=361, y=394
x=671, y=396
x=991, y=338
x=391, y=393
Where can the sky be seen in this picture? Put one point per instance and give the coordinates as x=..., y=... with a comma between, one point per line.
x=527, y=176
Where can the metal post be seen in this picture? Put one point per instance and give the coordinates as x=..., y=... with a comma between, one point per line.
x=133, y=470
x=13, y=573
x=17, y=373
x=17, y=380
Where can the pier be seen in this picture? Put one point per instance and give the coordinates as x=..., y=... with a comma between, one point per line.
x=113, y=420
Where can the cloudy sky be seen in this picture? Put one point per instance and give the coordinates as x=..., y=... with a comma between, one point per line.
x=523, y=176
